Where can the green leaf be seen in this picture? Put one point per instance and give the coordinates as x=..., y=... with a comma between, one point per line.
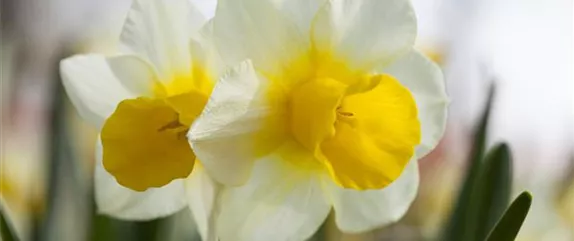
x=106, y=228
x=460, y=225
x=493, y=195
x=508, y=226
x=6, y=229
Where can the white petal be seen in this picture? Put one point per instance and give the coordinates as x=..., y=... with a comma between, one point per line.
x=160, y=31
x=201, y=191
x=257, y=30
x=206, y=7
x=300, y=12
x=204, y=51
x=134, y=73
x=117, y=201
x=360, y=211
x=426, y=82
x=227, y=134
x=279, y=203
x=96, y=84
x=364, y=32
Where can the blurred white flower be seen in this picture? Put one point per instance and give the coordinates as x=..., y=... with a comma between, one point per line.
x=143, y=100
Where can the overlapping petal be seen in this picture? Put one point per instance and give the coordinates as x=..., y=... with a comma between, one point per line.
x=201, y=192
x=279, y=203
x=360, y=211
x=364, y=32
x=239, y=121
x=117, y=201
x=257, y=30
x=425, y=81
x=96, y=84
x=160, y=32
x=300, y=12
x=135, y=73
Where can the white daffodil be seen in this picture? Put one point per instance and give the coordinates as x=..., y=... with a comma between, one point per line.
x=143, y=100
x=333, y=111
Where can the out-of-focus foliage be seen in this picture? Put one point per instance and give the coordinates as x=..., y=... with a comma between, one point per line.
x=507, y=228
x=486, y=192
x=6, y=229
x=462, y=221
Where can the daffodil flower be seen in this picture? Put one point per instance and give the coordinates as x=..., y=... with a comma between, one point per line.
x=333, y=111
x=144, y=100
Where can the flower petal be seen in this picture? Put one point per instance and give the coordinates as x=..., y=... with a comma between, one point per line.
x=205, y=55
x=257, y=30
x=134, y=73
x=425, y=81
x=206, y=7
x=201, y=191
x=280, y=203
x=360, y=211
x=145, y=145
x=313, y=111
x=364, y=32
x=120, y=202
x=376, y=135
x=300, y=12
x=96, y=84
x=240, y=121
x=160, y=31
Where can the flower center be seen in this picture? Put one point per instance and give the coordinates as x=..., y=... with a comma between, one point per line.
x=314, y=107
x=364, y=133
x=144, y=142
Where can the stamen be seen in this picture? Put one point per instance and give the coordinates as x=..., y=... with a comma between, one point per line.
x=346, y=114
x=171, y=125
x=343, y=113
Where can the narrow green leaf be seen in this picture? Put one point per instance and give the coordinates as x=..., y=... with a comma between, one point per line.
x=494, y=194
x=6, y=228
x=508, y=226
x=461, y=223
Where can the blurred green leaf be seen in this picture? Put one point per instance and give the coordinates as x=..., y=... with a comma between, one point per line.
x=6, y=228
x=110, y=229
x=507, y=228
x=105, y=228
x=493, y=195
x=461, y=223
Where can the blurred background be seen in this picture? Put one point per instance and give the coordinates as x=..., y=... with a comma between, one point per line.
x=524, y=46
